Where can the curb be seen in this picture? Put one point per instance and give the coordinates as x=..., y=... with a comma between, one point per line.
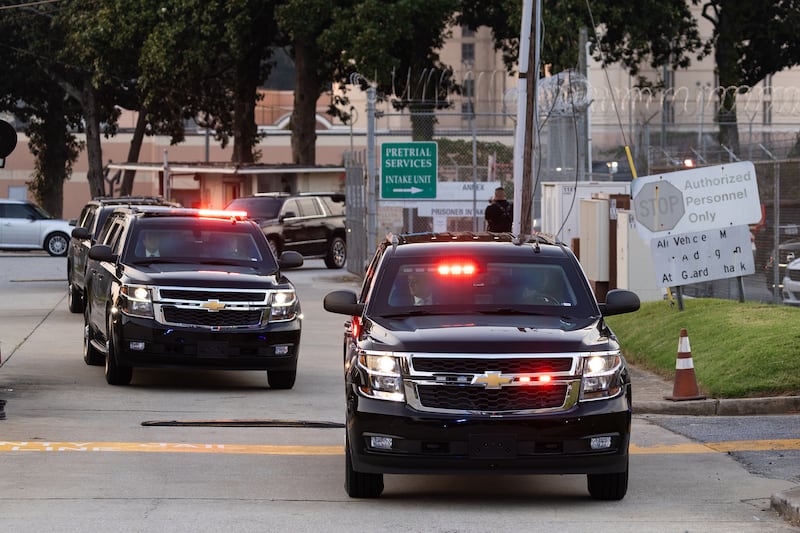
x=787, y=505
x=777, y=405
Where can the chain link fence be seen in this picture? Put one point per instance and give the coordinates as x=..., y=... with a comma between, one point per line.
x=476, y=151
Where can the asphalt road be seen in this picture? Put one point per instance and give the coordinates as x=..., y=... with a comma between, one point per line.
x=80, y=455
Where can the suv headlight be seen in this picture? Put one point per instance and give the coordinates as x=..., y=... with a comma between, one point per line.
x=384, y=380
x=282, y=305
x=601, y=376
x=136, y=300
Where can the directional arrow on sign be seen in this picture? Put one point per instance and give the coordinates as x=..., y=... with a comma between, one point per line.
x=412, y=190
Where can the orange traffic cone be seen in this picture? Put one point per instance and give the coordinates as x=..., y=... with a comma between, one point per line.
x=685, y=387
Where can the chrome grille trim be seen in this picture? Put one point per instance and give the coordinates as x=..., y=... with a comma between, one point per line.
x=249, y=310
x=565, y=376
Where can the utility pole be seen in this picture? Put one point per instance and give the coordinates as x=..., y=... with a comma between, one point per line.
x=527, y=128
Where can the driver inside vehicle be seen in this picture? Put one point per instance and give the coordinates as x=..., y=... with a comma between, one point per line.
x=151, y=242
x=421, y=288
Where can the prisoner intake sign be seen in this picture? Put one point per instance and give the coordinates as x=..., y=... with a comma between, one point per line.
x=409, y=170
x=695, y=200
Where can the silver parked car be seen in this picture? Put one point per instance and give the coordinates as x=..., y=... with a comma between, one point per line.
x=26, y=226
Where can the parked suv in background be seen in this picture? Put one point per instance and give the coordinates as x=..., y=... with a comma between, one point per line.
x=312, y=224
x=26, y=226
x=477, y=353
x=84, y=235
x=170, y=287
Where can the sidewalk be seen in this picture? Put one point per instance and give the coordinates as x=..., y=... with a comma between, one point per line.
x=649, y=391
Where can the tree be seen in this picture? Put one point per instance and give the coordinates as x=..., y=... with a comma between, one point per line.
x=398, y=41
x=751, y=41
x=30, y=89
x=226, y=49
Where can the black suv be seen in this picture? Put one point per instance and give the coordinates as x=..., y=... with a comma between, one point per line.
x=312, y=224
x=170, y=287
x=477, y=353
x=84, y=235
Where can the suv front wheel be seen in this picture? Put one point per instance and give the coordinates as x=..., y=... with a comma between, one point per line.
x=337, y=253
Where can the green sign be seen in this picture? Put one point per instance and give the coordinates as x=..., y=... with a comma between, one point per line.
x=409, y=170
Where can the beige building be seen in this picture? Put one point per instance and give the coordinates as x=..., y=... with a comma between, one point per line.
x=617, y=113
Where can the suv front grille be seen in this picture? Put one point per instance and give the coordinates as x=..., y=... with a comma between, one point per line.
x=461, y=383
x=470, y=365
x=481, y=399
x=219, y=295
x=223, y=319
x=211, y=308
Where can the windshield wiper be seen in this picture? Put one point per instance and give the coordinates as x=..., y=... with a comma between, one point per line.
x=509, y=311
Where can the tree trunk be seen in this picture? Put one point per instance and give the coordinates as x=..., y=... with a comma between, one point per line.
x=729, y=81
x=53, y=159
x=133, y=153
x=244, y=118
x=304, y=114
x=94, y=152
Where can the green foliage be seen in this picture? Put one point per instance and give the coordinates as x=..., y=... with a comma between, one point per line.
x=738, y=349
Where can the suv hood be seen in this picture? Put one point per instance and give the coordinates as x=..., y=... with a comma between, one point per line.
x=471, y=334
x=208, y=277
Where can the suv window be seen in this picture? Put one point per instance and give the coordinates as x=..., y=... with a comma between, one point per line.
x=479, y=285
x=258, y=207
x=334, y=205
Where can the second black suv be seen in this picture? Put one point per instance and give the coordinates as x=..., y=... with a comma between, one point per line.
x=170, y=287
x=478, y=353
x=312, y=224
x=84, y=235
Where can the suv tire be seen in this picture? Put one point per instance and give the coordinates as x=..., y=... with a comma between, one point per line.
x=337, y=253
x=608, y=486
x=75, y=300
x=281, y=379
x=360, y=484
x=91, y=355
x=116, y=374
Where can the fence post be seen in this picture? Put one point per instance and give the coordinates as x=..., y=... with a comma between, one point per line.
x=373, y=186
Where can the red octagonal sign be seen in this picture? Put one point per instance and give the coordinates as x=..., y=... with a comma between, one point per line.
x=658, y=206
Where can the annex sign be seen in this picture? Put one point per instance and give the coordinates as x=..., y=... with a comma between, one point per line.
x=694, y=200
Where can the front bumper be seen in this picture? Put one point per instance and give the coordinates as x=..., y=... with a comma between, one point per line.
x=527, y=444
x=145, y=343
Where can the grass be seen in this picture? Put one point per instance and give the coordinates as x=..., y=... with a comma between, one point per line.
x=739, y=350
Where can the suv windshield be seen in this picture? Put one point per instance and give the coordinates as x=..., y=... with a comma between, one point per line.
x=259, y=207
x=483, y=285
x=195, y=243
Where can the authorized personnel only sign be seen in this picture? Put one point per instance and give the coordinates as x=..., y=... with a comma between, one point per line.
x=702, y=256
x=409, y=170
x=694, y=200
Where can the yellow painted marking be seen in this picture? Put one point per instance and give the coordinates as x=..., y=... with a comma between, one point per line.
x=168, y=447
x=267, y=449
x=719, y=447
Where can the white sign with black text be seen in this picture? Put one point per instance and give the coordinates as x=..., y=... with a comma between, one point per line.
x=686, y=258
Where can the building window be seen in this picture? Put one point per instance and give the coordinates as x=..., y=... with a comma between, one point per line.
x=467, y=52
x=466, y=31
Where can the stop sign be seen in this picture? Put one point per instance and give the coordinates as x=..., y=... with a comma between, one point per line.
x=8, y=138
x=658, y=206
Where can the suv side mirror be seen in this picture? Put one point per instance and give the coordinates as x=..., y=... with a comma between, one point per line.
x=290, y=259
x=619, y=301
x=343, y=302
x=102, y=252
x=81, y=233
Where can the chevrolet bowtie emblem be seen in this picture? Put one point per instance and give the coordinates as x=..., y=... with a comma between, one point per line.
x=213, y=305
x=492, y=380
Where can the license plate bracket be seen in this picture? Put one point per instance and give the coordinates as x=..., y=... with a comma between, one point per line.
x=493, y=446
x=212, y=349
